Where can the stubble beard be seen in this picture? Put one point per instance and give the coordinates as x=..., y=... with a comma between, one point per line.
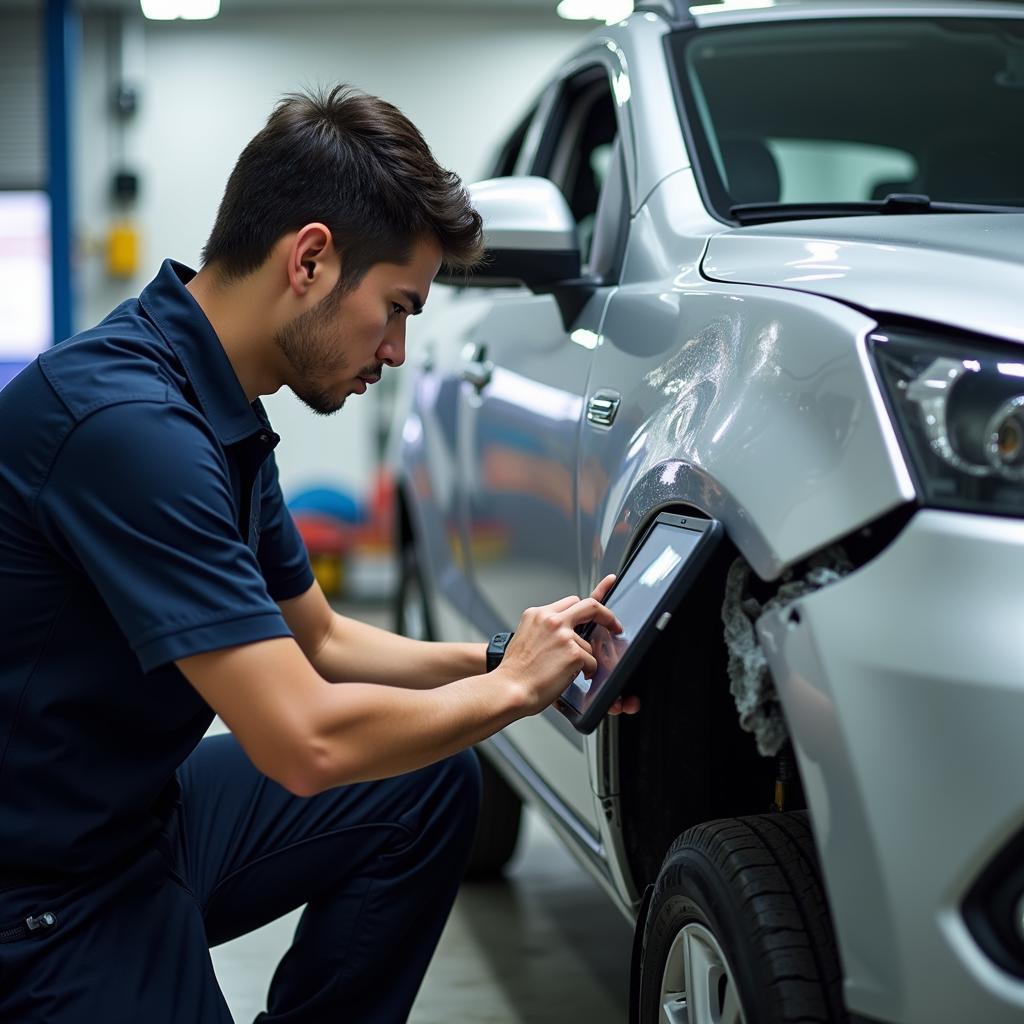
x=313, y=357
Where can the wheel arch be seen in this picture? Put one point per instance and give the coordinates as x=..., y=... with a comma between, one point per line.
x=683, y=759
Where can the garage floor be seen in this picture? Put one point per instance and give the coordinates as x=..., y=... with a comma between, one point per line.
x=543, y=946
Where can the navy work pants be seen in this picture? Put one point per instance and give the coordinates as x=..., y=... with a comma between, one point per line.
x=377, y=864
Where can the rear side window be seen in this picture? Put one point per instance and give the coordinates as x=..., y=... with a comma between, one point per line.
x=579, y=154
x=508, y=154
x=588, y=166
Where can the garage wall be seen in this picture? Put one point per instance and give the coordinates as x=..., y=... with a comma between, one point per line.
x=207, y=87
x=23, y=111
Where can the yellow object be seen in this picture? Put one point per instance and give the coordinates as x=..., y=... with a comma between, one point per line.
x=122, y=249
x=329, y=573
x=780, y=796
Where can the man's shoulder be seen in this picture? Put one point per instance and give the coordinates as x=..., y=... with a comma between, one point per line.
x=123, y=359
x=116, y=385
x=158, y=447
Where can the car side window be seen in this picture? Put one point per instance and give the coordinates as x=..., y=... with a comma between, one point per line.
x=582, y=155
x=508, y=153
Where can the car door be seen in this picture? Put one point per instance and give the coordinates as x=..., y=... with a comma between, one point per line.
x=524, y=397
x=426, y=431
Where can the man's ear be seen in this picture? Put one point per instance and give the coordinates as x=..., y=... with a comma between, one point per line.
x=313, y=263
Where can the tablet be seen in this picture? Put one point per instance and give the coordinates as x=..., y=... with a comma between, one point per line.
x=648, y=590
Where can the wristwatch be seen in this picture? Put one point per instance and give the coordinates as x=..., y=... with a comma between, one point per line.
x=496, y=649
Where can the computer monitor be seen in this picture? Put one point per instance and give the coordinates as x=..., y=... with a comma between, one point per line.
x=26, y=304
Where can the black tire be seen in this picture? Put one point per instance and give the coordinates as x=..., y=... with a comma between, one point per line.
x=411, y=609
x=497, y=831
x=754, y=885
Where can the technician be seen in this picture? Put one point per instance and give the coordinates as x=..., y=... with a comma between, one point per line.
x=151, y=577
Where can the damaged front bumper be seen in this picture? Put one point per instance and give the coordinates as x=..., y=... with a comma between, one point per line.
x=903, y=688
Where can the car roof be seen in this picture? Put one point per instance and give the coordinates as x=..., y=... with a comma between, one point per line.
x=711, y=13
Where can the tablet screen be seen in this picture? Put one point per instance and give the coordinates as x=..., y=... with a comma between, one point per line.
x=633, y=599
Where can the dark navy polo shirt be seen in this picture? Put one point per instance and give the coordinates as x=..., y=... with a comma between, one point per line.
x=141, y=520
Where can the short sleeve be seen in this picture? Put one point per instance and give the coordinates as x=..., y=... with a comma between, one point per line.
x=282, y=555
x=139, y=498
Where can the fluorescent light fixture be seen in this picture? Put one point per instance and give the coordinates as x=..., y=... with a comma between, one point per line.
x=608, y=11
x=730, y=5
x=191, y=10
x=160, y=10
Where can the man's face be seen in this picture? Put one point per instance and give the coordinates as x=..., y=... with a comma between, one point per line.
x=341, y=346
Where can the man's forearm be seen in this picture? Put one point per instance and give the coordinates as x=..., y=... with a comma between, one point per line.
x=354, y=651
x=371, y=732
x=309, y=735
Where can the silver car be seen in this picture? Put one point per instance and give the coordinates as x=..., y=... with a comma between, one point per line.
x=764, y=263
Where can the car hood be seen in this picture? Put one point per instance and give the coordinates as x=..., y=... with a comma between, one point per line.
x=965, y=270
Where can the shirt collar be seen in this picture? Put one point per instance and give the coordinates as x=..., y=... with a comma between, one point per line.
x=179, y=318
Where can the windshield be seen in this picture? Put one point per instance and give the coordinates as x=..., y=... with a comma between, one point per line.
x=856, y=109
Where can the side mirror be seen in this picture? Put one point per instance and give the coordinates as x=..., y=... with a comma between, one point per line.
x=531, y=239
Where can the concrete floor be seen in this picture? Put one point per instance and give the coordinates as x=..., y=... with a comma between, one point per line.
x=543, y=946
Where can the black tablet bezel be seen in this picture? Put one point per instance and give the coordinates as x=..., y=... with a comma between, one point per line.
x=587, y=721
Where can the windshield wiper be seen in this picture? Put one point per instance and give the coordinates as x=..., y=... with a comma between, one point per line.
x=896, y=203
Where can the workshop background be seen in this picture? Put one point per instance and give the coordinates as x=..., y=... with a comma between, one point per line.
x=118, y=133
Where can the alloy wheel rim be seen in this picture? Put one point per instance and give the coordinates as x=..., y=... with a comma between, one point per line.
x=697, y=985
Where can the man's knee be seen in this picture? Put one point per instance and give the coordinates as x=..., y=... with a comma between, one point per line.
x=464, y=769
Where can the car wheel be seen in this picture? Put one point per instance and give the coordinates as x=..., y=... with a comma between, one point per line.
x=738, y=930
x=498, y=828
x=411, y=611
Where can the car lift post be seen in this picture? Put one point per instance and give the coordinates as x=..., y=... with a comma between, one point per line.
x=61, y=25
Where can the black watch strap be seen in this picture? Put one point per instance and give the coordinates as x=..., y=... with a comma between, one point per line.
x=496, y=649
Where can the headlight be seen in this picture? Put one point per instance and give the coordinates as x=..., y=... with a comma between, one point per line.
x=959, y=409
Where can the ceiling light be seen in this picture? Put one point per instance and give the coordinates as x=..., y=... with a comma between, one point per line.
x=717, y=6
x=192, y=10
x=608, y=11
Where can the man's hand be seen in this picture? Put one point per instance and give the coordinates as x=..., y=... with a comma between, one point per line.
x=600, y=592
x=547, y=653
x=309, y=735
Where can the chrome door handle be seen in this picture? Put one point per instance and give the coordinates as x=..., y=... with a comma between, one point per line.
x=602, y=407
x=477, y=368
x=478, y=373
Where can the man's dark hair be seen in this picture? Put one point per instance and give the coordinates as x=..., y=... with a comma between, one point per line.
x=355, y=163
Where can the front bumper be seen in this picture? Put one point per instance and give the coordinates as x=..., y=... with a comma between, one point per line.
x=903, y=686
